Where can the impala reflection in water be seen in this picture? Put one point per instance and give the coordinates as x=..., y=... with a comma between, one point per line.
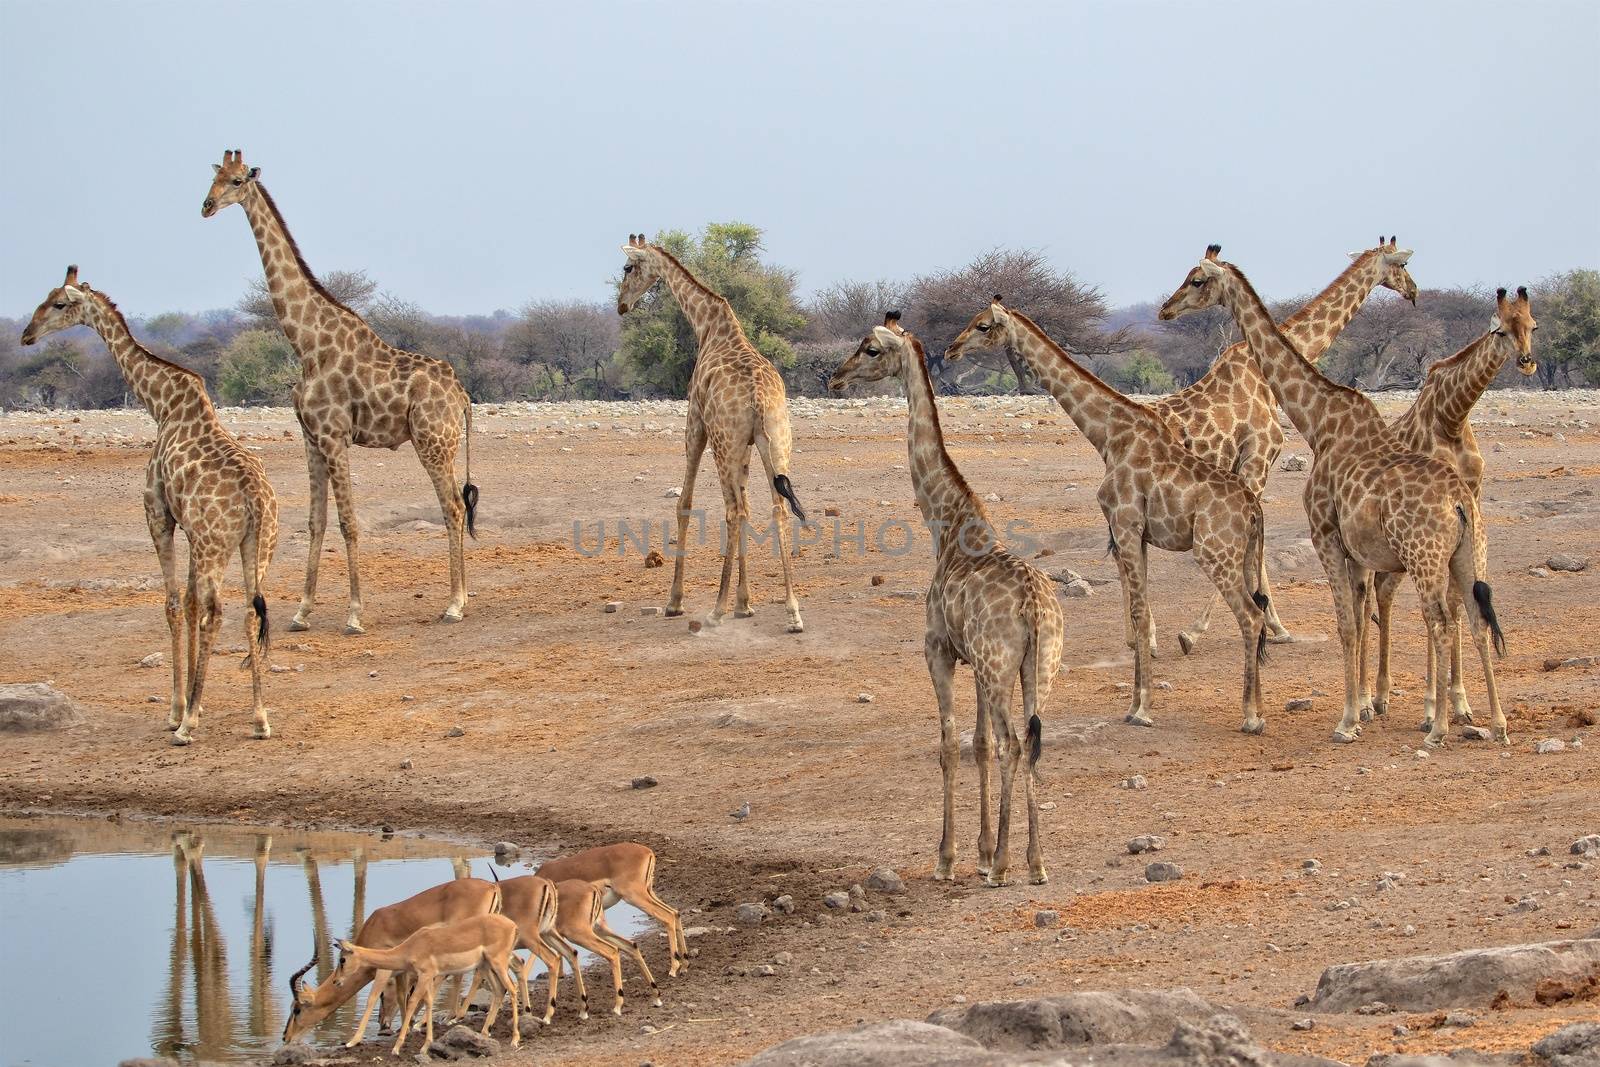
x=193, y=931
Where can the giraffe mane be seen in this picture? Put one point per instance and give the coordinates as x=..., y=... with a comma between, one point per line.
x=294, y=247
x=1282, y=331
x=116, y=313
x=698, y=284
x=1305, y=310
x=1093, y=377
x=921, y=358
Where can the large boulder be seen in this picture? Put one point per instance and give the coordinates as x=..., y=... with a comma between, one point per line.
x=1575, y=1045
x=1136, y=1017
x=897, y=1043
x=1524, y=974
x=30, y=706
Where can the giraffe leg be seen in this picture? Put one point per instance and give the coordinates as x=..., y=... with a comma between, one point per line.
x=1338, y=566
x=344, y=500
x=694, y=446
x=1227, y=573
x=995, y=694
x=1036, y=676
x=1187, y=639
x=1385, y=586
x=162, y=527
x=741, y=600
x=942, y=669
x=733, y=527
x=780, y=521
x=1437, y=616
x=191, y=628
x=983, y=756
x=1363, y=592
x=261, y=729
x=1464, y=576
x=439, y=460
x=1460, y=709
x=1130, y=561
x=205, y=614
x=317, y=468
x=1149, y=616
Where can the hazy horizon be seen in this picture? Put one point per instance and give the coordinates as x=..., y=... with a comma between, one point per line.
x=476, y=156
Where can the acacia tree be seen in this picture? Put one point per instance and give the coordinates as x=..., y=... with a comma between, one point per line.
x=939, y=306
x=1567, y=307
x=258, y=367
x=352, y=288
x=575, y=338
x=1386, y=346
x=657, y=339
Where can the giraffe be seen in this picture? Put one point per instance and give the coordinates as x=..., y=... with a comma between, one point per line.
x=736, y=399
x=1373, y=505
x=198, y=478
x=1229, y=417
x=354, y=389
x=1437, y=424
x=985, y=607
x=1155, y=492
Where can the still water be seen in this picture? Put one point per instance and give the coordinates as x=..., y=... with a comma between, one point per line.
x=177, y=939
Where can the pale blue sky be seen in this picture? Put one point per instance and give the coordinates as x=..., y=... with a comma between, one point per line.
x=475, y=155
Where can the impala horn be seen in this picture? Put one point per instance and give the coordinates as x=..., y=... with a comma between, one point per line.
x=294, y=979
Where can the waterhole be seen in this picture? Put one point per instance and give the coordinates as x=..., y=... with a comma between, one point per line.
x=123, y=939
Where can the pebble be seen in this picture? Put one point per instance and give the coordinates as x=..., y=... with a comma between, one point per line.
x=878, y=579
x=1408, y=930
x=1303, y=1024
x=649, y=612
x=837, y=899
x=1476, y=733
x=876, y=915
x=784, y=905
x=455, y=731
x=783, y=959
x=154, y=659
x=1077, y=589
x=1311, y=866
x=863, y=698
x=506, y=848
x=1460, y=1018
x=1563, y=562
x=1146, y=843
x=406, y=765
x=1294, y=462
x=765, y=970
x=673, y=493
x=1587, y=846
x=645, y=781
x=1539, y=572
x=1134, y=782
x=751, y=914
x=372, y=674
x=885, y=880
x=1401, y=1030
x=1549, y=745
x=1297, y=704
x=612, y=605
x=1046, y=917
x=1163, y=872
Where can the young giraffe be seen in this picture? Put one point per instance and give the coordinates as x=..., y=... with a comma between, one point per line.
x=736, y=399
x=1229, y=417
x=1437, y=424
x=1373, y=505
x=198, y=478
x=355, y=388
x=985, y=607
x=1155, y=492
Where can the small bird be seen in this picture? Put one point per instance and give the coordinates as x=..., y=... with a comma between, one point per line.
x=742, y=814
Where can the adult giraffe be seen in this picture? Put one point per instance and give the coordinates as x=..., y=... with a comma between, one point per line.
x=355, y=389
x=736, y=399
x=199, y=478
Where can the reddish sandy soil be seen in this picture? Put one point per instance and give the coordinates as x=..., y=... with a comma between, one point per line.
x=563, y=704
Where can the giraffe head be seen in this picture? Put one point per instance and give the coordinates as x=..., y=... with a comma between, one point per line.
x=1514, y=319
x=639, y=273
x=1394, y=260
x=67, y=305
x=989, y=330
x=883, y=353
x=1201, y=288
x=233, y=180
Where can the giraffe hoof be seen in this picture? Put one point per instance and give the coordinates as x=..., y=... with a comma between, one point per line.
x=261, y=733
x=1463, y=717
x=796, y=627
x=1380, y=708
x=1186, y=643
x=298, y=624
x=181, y=739
x=1503, y=737
x=1039, y=877
x=1257, y=728
x=1282, y=638
x=672, y=613
x=1342, y=738
x=943, y=872
x=1367, y=713
x=1433, y=742
x=996, y=880
x=451, y=616
x=743, y=613
x=354, y=629
x=1426, y=727
x=1138, y=719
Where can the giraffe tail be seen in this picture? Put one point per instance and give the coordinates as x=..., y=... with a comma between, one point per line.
x=469, y=492
x=1475, y=543
x=780, y=482
x=1255, y=564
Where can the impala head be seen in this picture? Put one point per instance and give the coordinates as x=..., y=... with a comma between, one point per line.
x=67, y=305
x=310, y=1004
x=1514, y=319
x=881, y=354
x=1395, y=275
x=638, y=274
x=232, y=182
x=1201, y=288
x=989, y=330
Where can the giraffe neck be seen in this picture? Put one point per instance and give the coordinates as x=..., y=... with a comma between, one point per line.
x=710, y=316
x=947, y=504
x=163, y=388
x=1452, y=386
x=1089, y=402
x=1312, y=402
x=1315, y=327
x=298, y=299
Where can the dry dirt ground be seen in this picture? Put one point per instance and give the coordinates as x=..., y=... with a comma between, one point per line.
x=563, y=704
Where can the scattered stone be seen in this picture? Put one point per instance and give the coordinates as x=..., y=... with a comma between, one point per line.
x=1297, y=704
x=455, y=731
x=1401, y=1030
x=1303, y=1024
x=1542, y=850
x=783, y=959
x=1474, y=978
x=764, y=970
x=645, y=781
x=1538, y=572
x=286, y=1056
x=837, y=899
x=1077, y=589
x=1574, y=1045
x=406, y=764
x=33, y=706
x=1476, y=733
x=1408, y=931
x=897, y=1043
x=784, y=905
x=154, y=659
x=1549, y=745
x=1142, y=1017
x=1134, y=782
x=673, y=493
x=653, y=559
x=1310, y=866
x=1563, y=562
x=863, y=698
x=876, y=915
x=885, y=880
x=1587, y=846
x=751, y=914
x=695, y=626
x=1294, y=462
x=1571, y=661
x=1146, y=843
x=830, y=513
x=506, y=848
x=1162, y=872
x=1046, y=918
x=372, y=674
x=649, y=612
x=612, y=606
x=1460, y=1018
x=1527, y=904
x=878, y=579
x=460, y=1042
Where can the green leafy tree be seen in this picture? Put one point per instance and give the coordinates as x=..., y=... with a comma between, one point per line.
x=1140, y=371
x=1567, y=307
x=258, y=367
x=657, y=339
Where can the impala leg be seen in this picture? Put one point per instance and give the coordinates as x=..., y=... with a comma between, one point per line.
x=647, y=901
x=379, y=981
x=600, y=947
x=622, y=944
